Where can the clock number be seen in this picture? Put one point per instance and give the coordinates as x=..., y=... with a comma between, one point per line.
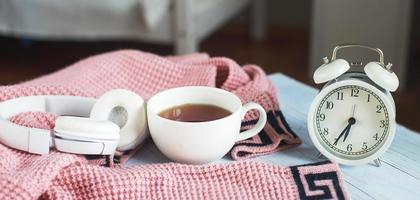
x=354, y=92
x=375, y=136
x=330, y=105
x=322, y=117
x=368, y=100
x=379, y=107
x=364, y=146
x=349, y=147
x=325, y=132
x=340, y=95
x=382, y=124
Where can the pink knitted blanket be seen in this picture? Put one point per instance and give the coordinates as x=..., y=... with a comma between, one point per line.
x=59, y=175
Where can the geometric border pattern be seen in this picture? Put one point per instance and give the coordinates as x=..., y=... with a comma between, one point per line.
x=323, y=191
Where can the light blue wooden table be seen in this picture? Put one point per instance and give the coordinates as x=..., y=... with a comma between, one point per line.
x=397, y=178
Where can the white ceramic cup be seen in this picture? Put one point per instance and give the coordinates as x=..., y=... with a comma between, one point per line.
x=199, y=142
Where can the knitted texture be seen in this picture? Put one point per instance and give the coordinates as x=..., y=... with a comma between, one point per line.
x=239, y=180
x=67, y=176
x=146, y=74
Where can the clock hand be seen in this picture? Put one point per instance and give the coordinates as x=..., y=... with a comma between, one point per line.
x=354, y=109
x=342, y=133
x=352, y=121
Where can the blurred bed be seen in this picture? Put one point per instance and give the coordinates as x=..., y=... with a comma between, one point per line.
x=183, y=23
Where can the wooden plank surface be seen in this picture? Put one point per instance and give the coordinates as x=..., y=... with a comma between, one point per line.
x=397, y=178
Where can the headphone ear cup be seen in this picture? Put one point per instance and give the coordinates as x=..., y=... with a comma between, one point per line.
x=126, y=109
x=81, y=135
x=331, y=70
x=81, y=127
x=383, y=77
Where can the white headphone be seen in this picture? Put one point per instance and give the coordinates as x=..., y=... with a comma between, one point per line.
x=117, y=120
x=377, y=71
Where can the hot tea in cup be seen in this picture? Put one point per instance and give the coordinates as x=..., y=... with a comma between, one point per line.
x=197, y=124
x=195, y=113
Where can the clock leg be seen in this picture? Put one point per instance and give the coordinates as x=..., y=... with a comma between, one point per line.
x=320, y=156
x=377, y=162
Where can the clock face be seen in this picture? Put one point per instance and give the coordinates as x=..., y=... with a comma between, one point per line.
x=351, y=122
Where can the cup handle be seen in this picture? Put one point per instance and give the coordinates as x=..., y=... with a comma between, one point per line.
x=260, y=124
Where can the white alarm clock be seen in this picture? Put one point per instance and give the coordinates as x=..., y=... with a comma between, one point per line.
x=352, y=119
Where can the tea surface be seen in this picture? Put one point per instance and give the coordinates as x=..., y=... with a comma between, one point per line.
x=195, y=113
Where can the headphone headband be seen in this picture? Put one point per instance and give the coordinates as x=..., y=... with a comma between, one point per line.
x=59, y=105
x=39, y=141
